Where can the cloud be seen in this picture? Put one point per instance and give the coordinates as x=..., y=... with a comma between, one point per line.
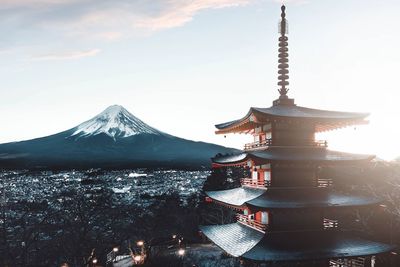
x=179, y=12
x=110, y=36
x=105, y=19
x=67, y=55
x=32, y=3
x=51, y=24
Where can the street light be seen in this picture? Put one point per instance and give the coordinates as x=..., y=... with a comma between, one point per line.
x=140, y=243
x=137, y=258
x=115, y=250
x=94, y=261
x=181, y=252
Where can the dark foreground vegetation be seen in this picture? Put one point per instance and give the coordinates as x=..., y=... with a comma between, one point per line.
x=71, y=222
x=49, y=218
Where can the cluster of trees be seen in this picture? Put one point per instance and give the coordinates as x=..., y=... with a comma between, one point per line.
x=45, y=234
x=380, y=180
x=377, y=179
x=80, y=222
x=220, y=179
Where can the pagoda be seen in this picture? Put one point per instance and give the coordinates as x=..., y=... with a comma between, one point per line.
x=287, y=215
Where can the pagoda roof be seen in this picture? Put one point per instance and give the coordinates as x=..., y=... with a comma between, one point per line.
x=289, y=198
x=313, y=245
x=324, y=120
x=300, y=154
x=234, y=238
x=294, y=198
x=235, y=197
x=241, y=241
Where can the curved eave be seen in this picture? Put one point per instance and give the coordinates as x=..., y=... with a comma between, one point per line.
x=292, y=154
x=235, y=197
x=308, y=155
x=231, y=160
x=298, y=112
x=324, y=120
x=234, y=238
x=313, y=245
x=242, y=241
x=304, y=198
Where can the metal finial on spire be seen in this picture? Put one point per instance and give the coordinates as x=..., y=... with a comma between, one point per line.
x=283, y=67
x=283, y=25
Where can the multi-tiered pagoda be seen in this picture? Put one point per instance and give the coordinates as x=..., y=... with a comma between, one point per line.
x=286, y=213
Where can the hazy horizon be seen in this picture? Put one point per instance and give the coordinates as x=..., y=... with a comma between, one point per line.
x=183, y=66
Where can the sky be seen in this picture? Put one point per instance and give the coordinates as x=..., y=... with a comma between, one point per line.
x=184, y=65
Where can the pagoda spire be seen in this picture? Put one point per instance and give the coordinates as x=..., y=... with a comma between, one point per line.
x=283, y=67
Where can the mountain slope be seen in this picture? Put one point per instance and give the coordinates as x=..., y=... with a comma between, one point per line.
x=115, y=122
x=113, y=139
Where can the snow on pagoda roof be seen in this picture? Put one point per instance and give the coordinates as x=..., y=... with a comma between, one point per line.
x=292, y=198
x=324, y=120
x=313, y=245
x=288, y=198
x=242, y=241
x=234, y=238
x=235, y=197
x=300, y=154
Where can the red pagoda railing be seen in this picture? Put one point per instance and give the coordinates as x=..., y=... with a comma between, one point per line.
x=320, y=143
x=244, y=219
x=255, y=183
x=330, y=224
x=258, y=144
x=356, y=262
x=268, y=142
x=325, y=182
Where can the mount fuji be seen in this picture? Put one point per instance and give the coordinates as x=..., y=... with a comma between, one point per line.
x=113, y=139
x=116, y=122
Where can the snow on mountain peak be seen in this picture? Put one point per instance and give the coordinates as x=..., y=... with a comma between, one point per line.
x=116, y=122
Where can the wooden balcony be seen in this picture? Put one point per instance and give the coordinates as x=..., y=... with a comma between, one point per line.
x=258, y=144
x=330, y=224
x=324, y=182
x=355, y=262
x=255, y=183
x=319, y=143
x=244, y=219
x=268, y=142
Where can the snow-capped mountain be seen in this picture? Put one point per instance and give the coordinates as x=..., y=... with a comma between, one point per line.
x=113, y=139
x=116, y=122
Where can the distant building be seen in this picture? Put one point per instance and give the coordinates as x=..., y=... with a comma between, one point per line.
x=286, y=214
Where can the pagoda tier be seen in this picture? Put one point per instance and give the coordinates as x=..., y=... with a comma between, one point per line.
x=318, y=120
x=288, y=198
x=236, y=197
x=313, y=245
x=320, y=156
x=250, y=244
x=235, y=238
